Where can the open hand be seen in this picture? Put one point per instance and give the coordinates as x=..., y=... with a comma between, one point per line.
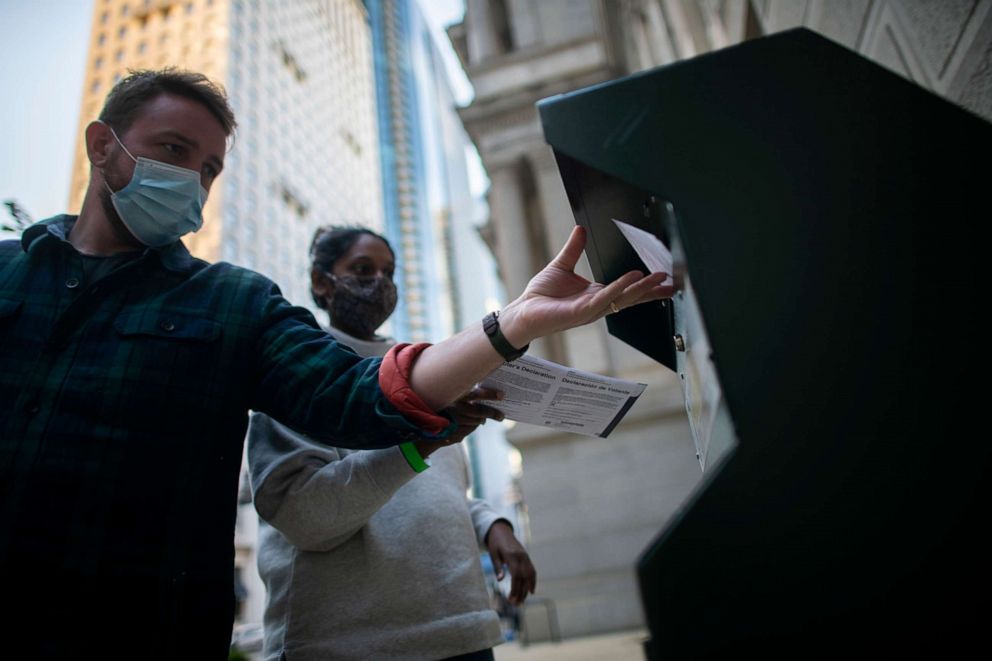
x=557, y=298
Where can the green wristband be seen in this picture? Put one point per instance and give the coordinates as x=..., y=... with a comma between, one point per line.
x=413, y=457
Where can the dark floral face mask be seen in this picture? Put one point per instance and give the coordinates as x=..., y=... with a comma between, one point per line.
x=361, y=304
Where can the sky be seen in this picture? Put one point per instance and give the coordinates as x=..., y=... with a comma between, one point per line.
x=42, y=61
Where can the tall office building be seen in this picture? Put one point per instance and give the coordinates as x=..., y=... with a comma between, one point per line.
x=299, y=76
x=404, y=78
x=447, y=276
x=300, y=79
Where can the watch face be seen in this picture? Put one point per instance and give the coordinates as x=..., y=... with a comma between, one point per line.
x=489, y=324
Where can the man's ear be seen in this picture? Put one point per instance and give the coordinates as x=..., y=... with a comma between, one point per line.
x=321, y=285
x=99, y=143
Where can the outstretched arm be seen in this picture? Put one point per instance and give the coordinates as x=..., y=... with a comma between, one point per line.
x=555, y=299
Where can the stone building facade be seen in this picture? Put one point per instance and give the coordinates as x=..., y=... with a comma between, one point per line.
x=595, y=504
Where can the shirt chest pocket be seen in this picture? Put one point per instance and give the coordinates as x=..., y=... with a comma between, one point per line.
x=167, y=325
x=168, y=370
x=175, y=352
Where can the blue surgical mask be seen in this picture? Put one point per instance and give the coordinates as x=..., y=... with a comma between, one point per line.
x=161, y=203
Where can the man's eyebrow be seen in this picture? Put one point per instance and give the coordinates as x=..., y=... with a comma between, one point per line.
x=179, y=137
x=172, y=134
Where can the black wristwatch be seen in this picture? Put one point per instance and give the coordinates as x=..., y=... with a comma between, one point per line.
x=490, y=324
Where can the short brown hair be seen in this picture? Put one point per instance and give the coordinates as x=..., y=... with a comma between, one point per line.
x=121, y=107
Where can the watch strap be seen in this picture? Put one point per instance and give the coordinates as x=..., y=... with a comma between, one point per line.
x=490, y=324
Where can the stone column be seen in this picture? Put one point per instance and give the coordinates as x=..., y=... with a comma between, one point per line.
x=583, y=347
x=509, y=217
x=525, y=24
x=479, y=34
x=513, y=242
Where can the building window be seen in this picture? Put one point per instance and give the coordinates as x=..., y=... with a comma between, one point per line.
x=97, y=63
x=122, y=32
x=352, y=141
x=141, y=47
x=294, y=203
x=95, y=87
x=101, y=39
x=291, y=63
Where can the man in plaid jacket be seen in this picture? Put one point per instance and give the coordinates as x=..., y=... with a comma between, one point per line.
x=129, y=368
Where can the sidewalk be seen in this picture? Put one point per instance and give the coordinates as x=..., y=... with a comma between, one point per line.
x=624, y=646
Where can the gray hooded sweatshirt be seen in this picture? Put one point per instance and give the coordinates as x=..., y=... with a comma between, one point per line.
x=362, y=557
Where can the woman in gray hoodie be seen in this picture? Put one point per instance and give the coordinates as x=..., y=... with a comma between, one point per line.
x=374, y=554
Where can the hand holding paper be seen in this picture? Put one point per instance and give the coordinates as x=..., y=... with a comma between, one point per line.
x=541, y=392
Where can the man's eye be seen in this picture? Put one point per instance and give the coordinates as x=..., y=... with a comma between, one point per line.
x=174, y=149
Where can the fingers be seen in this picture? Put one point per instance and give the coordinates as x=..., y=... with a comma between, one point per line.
x=524, y=576
x=460, y=434
x=569, y=255
x=473, y=414
x=497, y=558
x=488, y=413
x=602, y=299
x=481, y=392
x=466, y=411
x=648, y=288
x=504, y=548
x=651, y=287
x=470, y=416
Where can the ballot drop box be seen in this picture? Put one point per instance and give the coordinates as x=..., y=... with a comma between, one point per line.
x=826, y=219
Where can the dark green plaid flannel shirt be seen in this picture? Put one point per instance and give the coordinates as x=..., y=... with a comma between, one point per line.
x=123, y=410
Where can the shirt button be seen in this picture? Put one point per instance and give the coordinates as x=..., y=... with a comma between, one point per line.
x=72, y=283
x=32, y=408
x=167, y=326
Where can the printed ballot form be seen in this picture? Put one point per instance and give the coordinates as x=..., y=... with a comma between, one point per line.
x=544, y=393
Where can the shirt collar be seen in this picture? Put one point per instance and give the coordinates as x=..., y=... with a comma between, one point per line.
x=174, y=257
x=57, y=226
